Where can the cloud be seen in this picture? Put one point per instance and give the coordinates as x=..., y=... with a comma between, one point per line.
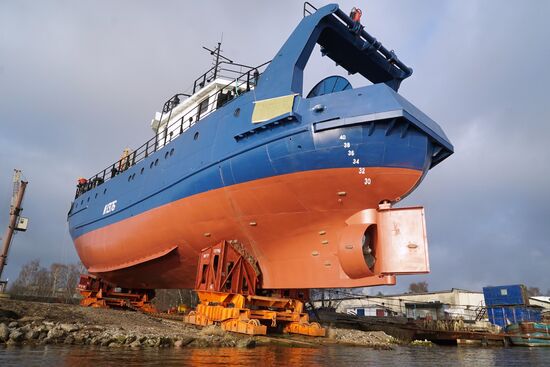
x=79, y=82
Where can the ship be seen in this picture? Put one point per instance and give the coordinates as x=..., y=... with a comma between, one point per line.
x=529, y=334
x=305, y=181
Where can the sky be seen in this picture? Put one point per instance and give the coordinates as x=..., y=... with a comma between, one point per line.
x=80, y=81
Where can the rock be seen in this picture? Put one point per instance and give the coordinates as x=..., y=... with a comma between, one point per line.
x=69, y=340
x=13, y=324
x=43, y=329
x=201, y=343
x=152, y=342
x=4, y=332
x=94, y=328
x=56, y=333
x=423, y=343
x=246, y=343
x=113, y=345
x=130, y=339
x=79, y=339
x=183, y=342
x=24, y=329
x=135, y=344
x=69, y=327
x=31, y=319
x=32, y=334
x=8, y=314
x=16, y=336
x=120, y=339
x=165, y=341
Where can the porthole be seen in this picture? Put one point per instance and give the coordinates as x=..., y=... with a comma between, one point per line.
x=151, y=165
x=156, y=162
x=129, y=178
x=196, y=136
x=88, y=199
x=237, y=112
x=133, y=176
x=142, y=169
x=82, y=202
x=96, y=195
x=166, y=155
x=104, y=191
x=171, y=152
x=76, y=205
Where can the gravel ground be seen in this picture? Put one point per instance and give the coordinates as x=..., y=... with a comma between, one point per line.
x=35, y=323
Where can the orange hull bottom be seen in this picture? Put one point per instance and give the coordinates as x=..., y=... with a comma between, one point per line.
x=291, y=224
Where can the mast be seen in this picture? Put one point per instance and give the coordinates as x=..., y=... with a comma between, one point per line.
x=17, y=199
x=217, y=60
x=217, y=55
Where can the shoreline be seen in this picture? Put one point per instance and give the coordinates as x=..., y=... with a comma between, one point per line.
x=25, y=323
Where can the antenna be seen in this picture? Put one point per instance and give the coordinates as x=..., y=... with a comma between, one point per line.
x=216, y=52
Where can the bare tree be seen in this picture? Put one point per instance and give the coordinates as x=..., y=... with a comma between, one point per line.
x=26, y=278
x=533, y=291
x=43, y=283
x=167, y=298
x=419, y=287
x=58, y=275
x=59, y=281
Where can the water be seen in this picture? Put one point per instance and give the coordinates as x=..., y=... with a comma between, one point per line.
x=340, y=356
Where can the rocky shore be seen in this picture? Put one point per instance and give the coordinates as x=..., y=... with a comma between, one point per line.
x=34, y=323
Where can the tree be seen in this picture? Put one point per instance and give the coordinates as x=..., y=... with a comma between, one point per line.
x=419, y=287
x=533, y=292
x=59, y=281
x=27, y=277
x=167, y=298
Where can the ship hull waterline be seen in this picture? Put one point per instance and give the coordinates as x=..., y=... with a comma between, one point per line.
x=290, y=223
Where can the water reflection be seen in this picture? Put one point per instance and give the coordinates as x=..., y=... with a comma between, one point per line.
x=274, y=356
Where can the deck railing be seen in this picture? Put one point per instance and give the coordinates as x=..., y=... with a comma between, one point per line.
x=240, y=83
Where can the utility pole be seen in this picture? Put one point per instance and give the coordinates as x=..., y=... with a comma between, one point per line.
x=16, y=223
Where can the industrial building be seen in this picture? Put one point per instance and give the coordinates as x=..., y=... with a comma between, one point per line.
x=448, y=304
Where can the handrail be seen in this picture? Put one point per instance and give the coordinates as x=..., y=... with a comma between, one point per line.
x=166, y=135
x=374, y=44
x=307, y=9
x=212, y=73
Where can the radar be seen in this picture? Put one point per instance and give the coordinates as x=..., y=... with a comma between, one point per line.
x=329, y=85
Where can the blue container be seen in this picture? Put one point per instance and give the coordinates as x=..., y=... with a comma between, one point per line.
x=506, y=295
x=506, y=315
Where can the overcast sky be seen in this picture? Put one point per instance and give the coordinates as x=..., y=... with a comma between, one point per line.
x=80, y=81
